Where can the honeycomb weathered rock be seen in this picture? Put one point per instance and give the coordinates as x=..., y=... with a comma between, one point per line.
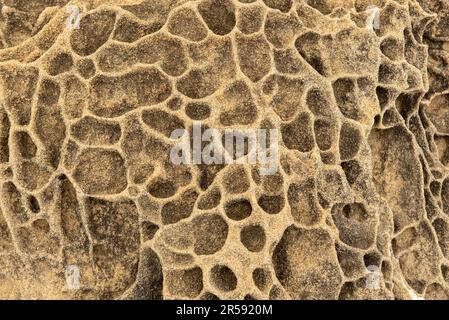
x=86, y=180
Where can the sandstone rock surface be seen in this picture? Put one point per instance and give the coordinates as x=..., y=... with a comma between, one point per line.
x=87, y=188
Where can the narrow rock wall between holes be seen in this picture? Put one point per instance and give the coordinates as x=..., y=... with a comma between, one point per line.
x=85, y=175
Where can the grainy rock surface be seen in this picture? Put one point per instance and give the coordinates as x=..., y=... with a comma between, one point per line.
x=86, y=179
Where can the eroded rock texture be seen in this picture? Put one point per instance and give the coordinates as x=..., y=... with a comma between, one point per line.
x=86, y=181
